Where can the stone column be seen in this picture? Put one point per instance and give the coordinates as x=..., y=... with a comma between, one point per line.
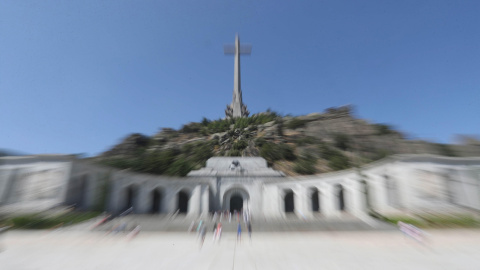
x=143, y=200
x=194, y=201
x=170, y=200
x=372, y=192
x=116, y=192
x=328, y=200
x=205, y=200
x=270, y=208
x=356, y=203
x=301, y=200
x=381, y=193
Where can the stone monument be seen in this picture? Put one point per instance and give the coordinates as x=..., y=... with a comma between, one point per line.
x=237, y=108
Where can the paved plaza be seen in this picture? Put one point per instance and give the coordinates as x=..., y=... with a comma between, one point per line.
x=446, y=249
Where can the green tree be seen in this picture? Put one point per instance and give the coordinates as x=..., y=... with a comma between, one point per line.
x=342, y=141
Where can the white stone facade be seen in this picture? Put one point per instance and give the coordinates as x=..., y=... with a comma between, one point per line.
x=395, y=185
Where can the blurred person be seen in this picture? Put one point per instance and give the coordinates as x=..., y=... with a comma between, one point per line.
x=199, y=226
x=100, y=222
x=134, y=232
x=190, y=229
x=412, y=232
x=219, y=231
x=214, y=231
x=239, y=232
x=249, y=228
x=203, y=233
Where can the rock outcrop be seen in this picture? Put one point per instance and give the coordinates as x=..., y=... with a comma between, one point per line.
x=335, y=139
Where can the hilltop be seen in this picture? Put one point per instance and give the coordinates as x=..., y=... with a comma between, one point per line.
x=309, y=144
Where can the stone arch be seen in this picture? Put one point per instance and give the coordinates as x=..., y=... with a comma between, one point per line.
x=314, y=196
x=212, y=200
x=156, y=203
x=236, y=203
x=81, y=191
x=288, y=201
x=131, y=194
x=183, y=198
x=340, y=194
x=236, y=198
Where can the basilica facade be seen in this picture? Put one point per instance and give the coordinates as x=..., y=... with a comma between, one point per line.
x=396, y=185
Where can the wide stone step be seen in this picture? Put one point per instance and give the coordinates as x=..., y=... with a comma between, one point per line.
x=179, y=224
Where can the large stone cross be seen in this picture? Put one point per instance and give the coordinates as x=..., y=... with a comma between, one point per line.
x=237, y=108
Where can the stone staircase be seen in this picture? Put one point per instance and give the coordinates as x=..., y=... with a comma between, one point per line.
x=163, y=223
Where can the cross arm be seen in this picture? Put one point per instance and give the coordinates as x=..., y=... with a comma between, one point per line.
x=244, y=49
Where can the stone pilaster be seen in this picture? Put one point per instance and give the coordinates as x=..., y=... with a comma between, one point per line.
x=194, y=201
x=205, y=200
x=328, y=200
x=301, y=201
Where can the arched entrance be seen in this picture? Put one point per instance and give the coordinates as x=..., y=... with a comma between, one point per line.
x=340, y=197
x=131, y=197
x=289, y=205
x=156, y=206
x=236, y=199
x=183, y=199
x=236, y=203
x=315, y=200
x=82, y=192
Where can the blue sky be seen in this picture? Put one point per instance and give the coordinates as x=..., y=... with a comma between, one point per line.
x=77, y=76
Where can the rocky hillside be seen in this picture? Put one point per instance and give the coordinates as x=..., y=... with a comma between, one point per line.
x=315, y=143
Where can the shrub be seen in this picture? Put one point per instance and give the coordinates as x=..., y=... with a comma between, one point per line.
x=201, y=153
x=287, y=152
x=306, y=140
x=383, y=129
x=414, y=221
x=260, y=142
x=234, y=153
x=445, y=150
x=220, y=125
x=242, y=122
x=273, y=152
x=336, y=159
x=270, y=152
x=342, y=141
x=437, y=221
x=120, y=163
x=327, y=152
x=205, y=122
x=296, y=123
x=339, y=162
x=191, y=128
x=379, y=154
x=262, y=118
x=180, y=167
x=305, y=166
x=240, y=145
x=32, y=221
